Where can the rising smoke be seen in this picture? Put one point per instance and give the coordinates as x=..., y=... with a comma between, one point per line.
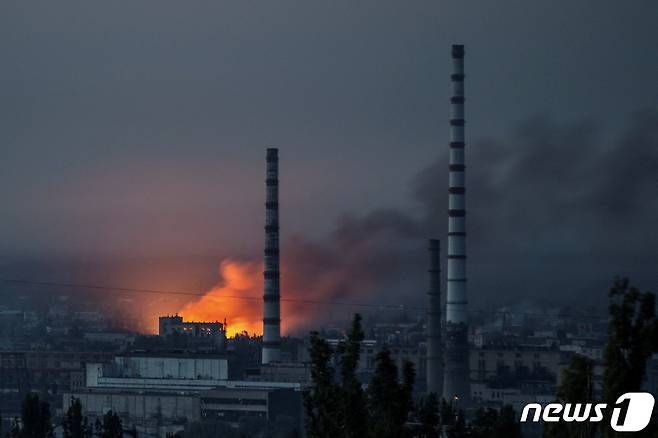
x=555, y=210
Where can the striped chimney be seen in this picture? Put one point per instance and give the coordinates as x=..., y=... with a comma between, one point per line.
x=434, y=353
x=456, y=377
x=271, y=307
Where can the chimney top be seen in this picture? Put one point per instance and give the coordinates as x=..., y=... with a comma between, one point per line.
x=457, y=51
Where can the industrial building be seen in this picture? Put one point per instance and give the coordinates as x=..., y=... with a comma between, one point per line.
x=235, y=404
x=175, y=325
x=179, y=371
x=159, y=393
x=50, y=372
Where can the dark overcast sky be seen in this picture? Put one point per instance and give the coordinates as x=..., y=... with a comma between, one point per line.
x=139, y=128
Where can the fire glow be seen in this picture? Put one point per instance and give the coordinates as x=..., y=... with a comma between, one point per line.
x=238, y=298
x=319, y=276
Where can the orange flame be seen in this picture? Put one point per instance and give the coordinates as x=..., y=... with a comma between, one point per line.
x=237, y=298
x=316, y=278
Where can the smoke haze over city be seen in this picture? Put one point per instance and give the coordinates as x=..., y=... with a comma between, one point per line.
x=328, y=219
x=133, y=136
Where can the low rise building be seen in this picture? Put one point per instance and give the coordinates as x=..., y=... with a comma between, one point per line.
x=160, y=393
x=174, y=325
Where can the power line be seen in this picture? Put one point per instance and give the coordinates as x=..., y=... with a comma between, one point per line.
x=201, y=294
x=291, y=300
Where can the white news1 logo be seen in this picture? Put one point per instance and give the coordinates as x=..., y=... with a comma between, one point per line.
x=631, y=413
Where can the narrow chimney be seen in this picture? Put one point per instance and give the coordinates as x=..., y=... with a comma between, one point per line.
x=456, y=385
x=271, y=309
x=434, y=353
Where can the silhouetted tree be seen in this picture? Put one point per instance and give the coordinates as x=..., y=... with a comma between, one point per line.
x=407, y=387
x=459, y=428
x=112, y=426
x=427, y=413
x=352, y=400
x=294, y=434
x=632, y=339
x=337, y=406
x=321, y=402
x=15, y=429
x=493, y=423
x=75, y=424
x=484, y=423
x=576, y=387
x=388, y=400
x=452, y=422
x=508, y=424
x=35, y=419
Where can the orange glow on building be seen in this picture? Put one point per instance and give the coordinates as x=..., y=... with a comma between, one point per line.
x=238, y=298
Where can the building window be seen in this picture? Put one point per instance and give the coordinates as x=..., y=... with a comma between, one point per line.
x=234, y=401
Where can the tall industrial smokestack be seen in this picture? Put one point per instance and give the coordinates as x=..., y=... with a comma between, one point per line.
x=271, y=308
x=456, y=385
x=434, y=350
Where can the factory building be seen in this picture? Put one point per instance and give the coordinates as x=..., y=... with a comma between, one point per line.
x=160, y=393
x=297, y=372
x=172, y=325
x=235, y=404
x=179, y=371
x=503, y=365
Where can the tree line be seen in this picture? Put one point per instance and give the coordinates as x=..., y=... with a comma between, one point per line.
x=36, y=422
x=337, y=405
x=632, y=340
